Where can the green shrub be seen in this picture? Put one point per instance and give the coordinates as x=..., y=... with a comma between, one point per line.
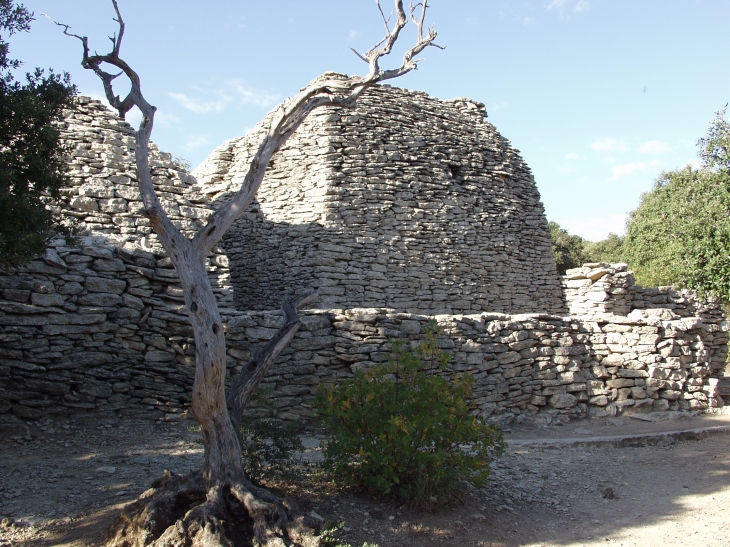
x=404, y=430
x=567, y=249
x=271, y=446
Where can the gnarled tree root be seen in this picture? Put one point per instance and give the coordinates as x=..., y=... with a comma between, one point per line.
x=182, y=511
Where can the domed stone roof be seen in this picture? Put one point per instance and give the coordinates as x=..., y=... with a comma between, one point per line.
x=405, y=202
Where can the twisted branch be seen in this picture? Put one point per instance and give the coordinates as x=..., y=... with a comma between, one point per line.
x=327, y=90
x=263, y=357
x=172, y=239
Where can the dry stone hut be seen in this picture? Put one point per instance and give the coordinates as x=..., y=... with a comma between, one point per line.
x=405, y=202
x=401, y=209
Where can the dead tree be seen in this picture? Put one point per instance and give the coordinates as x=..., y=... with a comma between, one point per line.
x=218, y=505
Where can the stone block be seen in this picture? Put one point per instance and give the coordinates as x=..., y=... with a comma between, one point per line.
x=99, y=300
x=562, y=400
x=508, y=357
x=599, y=400
x=108, y=265
x=47, y=300
x=158, y=356
x=408, y=327
x=630, y=373
x=620, y=382
x=105, y=285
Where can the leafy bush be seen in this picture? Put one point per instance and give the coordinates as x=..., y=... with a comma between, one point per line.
x=567, y=248
x=270, y=445
x=404, y=430
x=680, y=233
x=606, y=250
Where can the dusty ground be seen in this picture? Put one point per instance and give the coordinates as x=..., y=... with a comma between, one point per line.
x=62, y=482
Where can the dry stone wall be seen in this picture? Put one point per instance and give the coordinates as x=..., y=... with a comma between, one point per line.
x=597, y=289
x=100, y=326
x=405, y=202
x=103, y=194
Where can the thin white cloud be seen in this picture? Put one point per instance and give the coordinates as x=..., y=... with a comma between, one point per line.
x=134, y=117
x=610, y=145
x=217, y=99
x=565, y=7
x=572, y=156
x=528, y=20
x=654, y=147
x=250, y=95
x=559, y=4
x=353, y=34
x=498, y=107
x=626, y=169
x=686, y=143
x=193, y=142
x=165, y=119
x=200, y=106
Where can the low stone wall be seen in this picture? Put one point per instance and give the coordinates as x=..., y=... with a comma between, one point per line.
x=597, y=289
x=94, y=328
x=120, y=341
x=548, y=367
x=100, y=326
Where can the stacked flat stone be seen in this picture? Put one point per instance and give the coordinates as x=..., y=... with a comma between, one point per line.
x=405, y=202
x=103, y=194
x=100, y=325
x=598, y=289
x=542, y=367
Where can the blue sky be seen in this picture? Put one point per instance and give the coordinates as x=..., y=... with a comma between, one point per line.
x=600, y=96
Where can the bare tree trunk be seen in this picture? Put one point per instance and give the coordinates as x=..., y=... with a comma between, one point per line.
x=217, y=505
x=222, y=462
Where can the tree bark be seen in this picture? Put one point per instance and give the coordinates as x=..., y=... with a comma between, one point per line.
x=218, y=506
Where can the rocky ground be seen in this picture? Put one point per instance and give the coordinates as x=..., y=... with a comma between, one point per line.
x=61, y=483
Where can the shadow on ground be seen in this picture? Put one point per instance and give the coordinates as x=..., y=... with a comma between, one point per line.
x=65, y=485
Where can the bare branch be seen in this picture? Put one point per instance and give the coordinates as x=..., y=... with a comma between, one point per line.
x=358, y=54
x=419, y=22
x=242, y=344
x=118, y=42
x=262, y=358
x=323, y=91
x=172, y=239
x=327, y=90
x=386, y=22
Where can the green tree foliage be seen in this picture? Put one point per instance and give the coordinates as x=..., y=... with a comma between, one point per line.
x=567, y=249
x=715, y=147
x=31, y=158
x=608, y=250
x=406, y=431
x=680, y=233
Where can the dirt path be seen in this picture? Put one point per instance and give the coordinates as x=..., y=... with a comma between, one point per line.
x=62, y=482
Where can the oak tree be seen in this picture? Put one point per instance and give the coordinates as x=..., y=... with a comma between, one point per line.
x=31, y=154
